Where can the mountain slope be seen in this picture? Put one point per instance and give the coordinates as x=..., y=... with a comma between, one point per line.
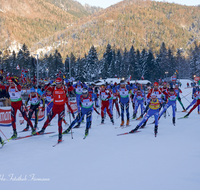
x=142, y=24
x=28, y=21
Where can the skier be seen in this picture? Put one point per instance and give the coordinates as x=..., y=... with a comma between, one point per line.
x=104, y=96
x=86, y=104
x=139, y=100
x=163, y=96
x=195, y=98
x=34, y=98
x=195, y=105
x=171, y=97
x=78, y=87
x=14, y=90
x=123, y=94
x=115, y=99
x=154, y=105
x=60, y=98
x=178, y=91
x=133, y=93
x=157, y=91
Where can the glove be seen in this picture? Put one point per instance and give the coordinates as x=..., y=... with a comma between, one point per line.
x=73, y=115
x=51, y=81
x=43, y=109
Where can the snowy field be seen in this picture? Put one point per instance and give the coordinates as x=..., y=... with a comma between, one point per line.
x=105, y=161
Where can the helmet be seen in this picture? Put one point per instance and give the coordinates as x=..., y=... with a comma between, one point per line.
x=84, y=91
x=58, y=80
x=33, y=89
x=156, y=84
x=49, y=89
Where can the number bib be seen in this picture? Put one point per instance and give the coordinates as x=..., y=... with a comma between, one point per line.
x=15, y=96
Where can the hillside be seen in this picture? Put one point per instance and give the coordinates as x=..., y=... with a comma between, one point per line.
x=142, y=24
x=29, y=21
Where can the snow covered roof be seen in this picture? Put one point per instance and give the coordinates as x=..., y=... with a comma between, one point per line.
x=140, y=81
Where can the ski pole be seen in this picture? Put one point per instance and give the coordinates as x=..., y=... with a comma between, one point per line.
x=186, y=99
x=4, y=135
x=168, y=113
x=70, y=124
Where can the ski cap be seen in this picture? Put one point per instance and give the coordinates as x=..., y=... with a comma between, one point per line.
x=33, y=89
x=153, y=96
x=156, y=84
x=10, y=79
x=58, y=80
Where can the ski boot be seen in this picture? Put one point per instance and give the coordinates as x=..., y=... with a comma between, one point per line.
x=127, y=122
x=184, y=110
x=1, y=141
x=86, y=132
x=67, y=130
x=33, y=131
x=78, y=125
x=140, y=117
x=156, y=130
x=26, y=129
x=134, y=115
x=173, y=120
x=198, y=112
x=60, y=138
x=102, y=120
x=186, y=115
x=122, y=123
x=40, y=132
x=111, y=119
x=134, y=130
x=165, y=114
x=14, y=136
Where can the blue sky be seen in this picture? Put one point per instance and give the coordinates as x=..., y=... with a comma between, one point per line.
x=107, y=3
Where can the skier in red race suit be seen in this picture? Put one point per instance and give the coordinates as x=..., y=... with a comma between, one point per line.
x=104, y=96
x=14, y=90
x=60, y=98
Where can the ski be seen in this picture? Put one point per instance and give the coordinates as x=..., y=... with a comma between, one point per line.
x=62, y=134
x=27, y=136
x=127, y=133
x=183, y=117
x=57, y=143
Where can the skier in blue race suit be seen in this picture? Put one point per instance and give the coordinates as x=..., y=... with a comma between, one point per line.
x=171, y=101
x=86, y=104
x=153, y=109
x=123, y=93
x=139, y=100
x=78, y=87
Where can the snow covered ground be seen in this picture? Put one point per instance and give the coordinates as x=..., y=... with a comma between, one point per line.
x=105, y=161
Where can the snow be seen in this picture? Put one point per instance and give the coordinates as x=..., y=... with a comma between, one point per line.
x=105, y=161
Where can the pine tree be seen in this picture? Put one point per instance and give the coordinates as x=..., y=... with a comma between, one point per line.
x=92, y=65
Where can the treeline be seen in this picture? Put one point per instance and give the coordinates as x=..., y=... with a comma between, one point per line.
x=114, y=63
